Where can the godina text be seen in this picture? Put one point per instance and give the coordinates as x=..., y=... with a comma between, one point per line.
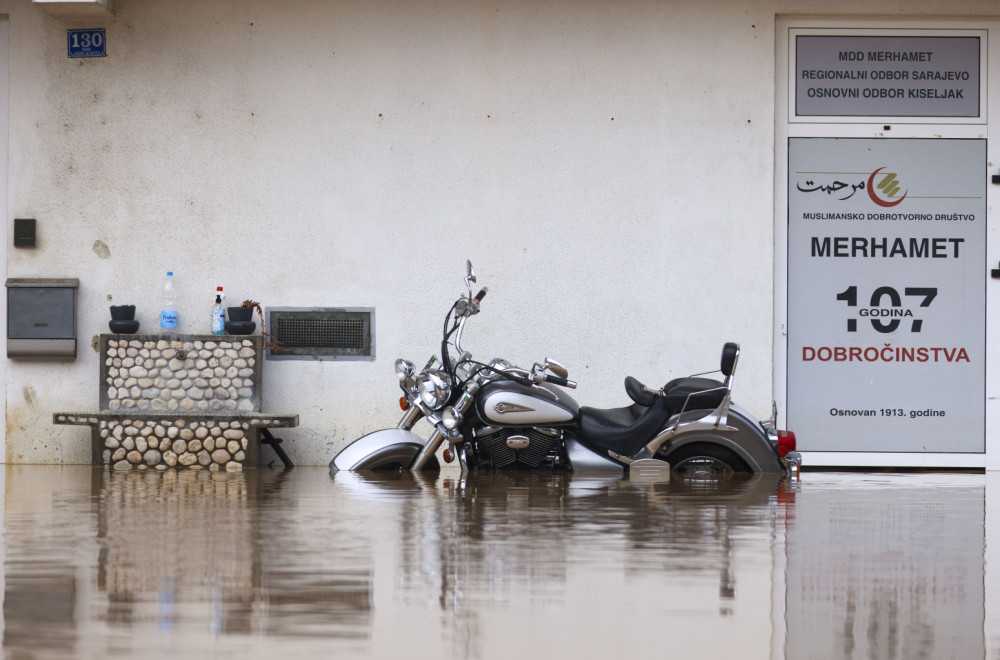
x=886, y=353
x=860, y=246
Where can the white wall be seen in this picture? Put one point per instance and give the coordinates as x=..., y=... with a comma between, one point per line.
x=607, y=166
x=4, y=105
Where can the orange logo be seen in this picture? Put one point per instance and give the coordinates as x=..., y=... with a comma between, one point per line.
x=884, y=192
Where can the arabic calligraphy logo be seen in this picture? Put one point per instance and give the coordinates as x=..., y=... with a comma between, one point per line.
x=831, y=188
x=884, y=192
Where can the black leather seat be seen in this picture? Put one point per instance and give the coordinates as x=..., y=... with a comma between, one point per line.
x=622, y=430
x=625, y=430
x=639, y=392
x=693, y=393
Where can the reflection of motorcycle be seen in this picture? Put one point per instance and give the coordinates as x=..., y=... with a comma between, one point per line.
x=499, y=545
x=498, y=415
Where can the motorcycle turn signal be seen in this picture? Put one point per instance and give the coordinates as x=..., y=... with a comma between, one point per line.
x=786, y=442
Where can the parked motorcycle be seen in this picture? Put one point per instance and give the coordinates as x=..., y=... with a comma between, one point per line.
x=497, y=415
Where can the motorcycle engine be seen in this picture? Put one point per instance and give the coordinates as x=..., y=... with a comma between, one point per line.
x=526, y=447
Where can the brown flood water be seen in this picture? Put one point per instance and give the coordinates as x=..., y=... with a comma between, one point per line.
x=302, y=563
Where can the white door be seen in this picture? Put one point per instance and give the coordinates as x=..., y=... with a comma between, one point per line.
x=885, y=303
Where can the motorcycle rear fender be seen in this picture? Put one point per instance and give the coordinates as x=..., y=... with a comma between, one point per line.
x=749, y=441
x=379, y=449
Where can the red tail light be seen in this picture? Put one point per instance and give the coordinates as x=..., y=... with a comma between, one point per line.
x=786, y=442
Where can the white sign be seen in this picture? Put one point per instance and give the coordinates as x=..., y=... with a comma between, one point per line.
x=887, y=76
x=886, y=294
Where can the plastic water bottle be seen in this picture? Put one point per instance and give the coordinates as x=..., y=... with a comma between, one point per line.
x=168, y=306
x=218, y=315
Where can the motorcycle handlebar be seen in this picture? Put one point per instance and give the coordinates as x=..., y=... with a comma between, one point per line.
x=470, y=308
x=518, y=378
x=561, y=382
x=555, y=380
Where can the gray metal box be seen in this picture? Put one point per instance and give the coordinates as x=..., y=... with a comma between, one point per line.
x=41, y=317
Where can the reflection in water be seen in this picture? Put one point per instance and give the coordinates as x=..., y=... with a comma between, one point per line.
x=513, y=557
x=265, y=563
x=176, y=553
x=194, y=536
x=887, y=568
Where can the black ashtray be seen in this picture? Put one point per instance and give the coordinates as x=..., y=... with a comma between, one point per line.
x=240, y=327
x=240, y=314
x=123, y=312
x=124, y=327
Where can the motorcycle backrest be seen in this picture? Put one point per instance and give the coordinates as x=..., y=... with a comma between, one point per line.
x=730, y=356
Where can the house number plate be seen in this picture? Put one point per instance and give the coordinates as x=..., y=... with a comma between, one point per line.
x=86, y=43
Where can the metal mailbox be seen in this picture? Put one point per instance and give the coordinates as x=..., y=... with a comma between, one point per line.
x=41, y=318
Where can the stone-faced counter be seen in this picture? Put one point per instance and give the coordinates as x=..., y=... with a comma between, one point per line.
x=178, y=401
x=157, y=440
x=151, y=373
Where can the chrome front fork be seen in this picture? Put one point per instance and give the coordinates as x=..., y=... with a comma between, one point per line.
x=440, y=434
x=410, y=418
x=430, y=448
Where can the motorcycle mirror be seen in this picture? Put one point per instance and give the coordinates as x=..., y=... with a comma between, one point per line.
x=470, y=275
x=556, y=368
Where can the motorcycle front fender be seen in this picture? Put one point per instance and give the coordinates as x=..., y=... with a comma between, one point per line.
x=379, y=450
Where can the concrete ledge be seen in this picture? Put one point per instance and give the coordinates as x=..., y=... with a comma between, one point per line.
x=255, y=419
x=70, y=9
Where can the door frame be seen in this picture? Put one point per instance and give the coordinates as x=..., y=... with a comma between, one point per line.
x=977, y=128
x=4, y=159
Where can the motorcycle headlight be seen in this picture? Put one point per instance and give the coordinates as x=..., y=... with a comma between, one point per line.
x=433, y=388
x=451, y=418
x=404, y=370
x=410, y=385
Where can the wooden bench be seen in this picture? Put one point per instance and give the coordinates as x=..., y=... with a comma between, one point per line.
x=175, y=401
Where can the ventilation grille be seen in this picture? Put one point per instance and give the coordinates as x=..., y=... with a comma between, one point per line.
x=321, y=333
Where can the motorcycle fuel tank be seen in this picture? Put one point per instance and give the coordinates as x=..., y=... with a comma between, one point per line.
x=507, y=403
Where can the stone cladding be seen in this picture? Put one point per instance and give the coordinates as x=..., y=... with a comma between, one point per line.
x=154, y=374
x=187, y=401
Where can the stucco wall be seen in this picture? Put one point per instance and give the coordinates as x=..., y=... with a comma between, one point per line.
x=607, y=166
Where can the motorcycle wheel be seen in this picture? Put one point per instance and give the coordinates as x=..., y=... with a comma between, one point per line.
x=702, y=459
